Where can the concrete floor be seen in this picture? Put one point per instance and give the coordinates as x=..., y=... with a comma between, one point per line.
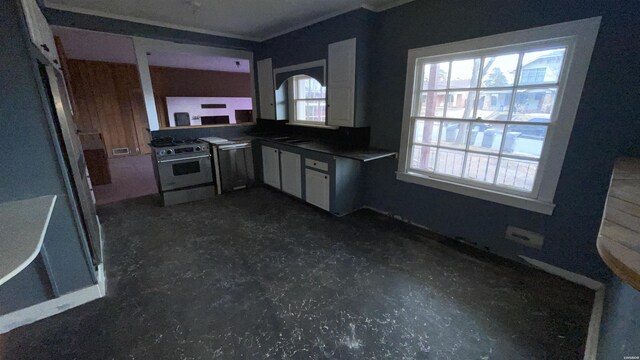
x=256, y=274
x=131, y=177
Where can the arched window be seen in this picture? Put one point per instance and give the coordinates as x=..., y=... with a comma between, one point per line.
x=309, y=100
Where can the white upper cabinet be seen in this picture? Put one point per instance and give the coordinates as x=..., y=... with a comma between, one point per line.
x=341, y=83
x=40, y=32
x=266, y=89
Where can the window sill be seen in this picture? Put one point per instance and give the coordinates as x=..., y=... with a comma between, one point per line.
x=484, y=194
x=313, y=125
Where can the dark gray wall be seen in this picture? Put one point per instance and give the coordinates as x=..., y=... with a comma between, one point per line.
x=606, y=125
x=620, y=329
x=97, y=23
x=30, y=168
x=311, y=43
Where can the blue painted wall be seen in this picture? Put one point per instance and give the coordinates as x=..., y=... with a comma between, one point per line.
x=606, y=125
x=30, y=168
x=311, y=43
x=97, y=23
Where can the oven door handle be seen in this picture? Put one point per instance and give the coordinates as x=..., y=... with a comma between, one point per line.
x=184, y=158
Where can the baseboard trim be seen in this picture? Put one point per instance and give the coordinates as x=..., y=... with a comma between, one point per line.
x=565, y=274
x=55, y=306
x=593, y=335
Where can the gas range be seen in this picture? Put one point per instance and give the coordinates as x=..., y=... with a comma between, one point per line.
x=183, y=170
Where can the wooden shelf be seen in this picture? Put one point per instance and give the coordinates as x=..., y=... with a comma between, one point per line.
x=24, y=224
x=619, y=238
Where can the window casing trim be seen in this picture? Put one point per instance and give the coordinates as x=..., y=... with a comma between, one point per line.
x=579, y=37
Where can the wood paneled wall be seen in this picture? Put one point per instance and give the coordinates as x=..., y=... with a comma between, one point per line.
x=199, y=83
x=108, y=99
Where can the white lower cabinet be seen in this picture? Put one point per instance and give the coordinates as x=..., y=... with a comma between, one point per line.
x=291, y=173
x=271, y=166
x=318, y=187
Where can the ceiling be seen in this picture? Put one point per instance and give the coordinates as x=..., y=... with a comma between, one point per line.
x=245, y=19
x=80, y=44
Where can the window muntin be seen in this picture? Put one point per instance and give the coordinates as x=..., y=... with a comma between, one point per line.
x=483, y=117
x=309, y=97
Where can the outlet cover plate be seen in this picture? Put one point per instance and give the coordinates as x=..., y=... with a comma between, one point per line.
x=524, y=237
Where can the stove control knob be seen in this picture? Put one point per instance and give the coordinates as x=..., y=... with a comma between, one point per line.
x=161, y=152
x=198, y=148
x=169, y=152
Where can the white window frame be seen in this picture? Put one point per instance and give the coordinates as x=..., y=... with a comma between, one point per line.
x=293, y=104
x=579, y=37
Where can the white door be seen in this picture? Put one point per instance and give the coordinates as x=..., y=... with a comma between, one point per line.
x=341, y=83
x=318, y=187
x=266, y=89
x=271, y=166
x=291, y=173
x=40, y=31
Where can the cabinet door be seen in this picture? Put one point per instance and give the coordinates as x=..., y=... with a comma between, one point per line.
x=341, y=83
x=291, y=173
x=266, y=90
x=40, y=32
x=318, y=187
x=271, y=166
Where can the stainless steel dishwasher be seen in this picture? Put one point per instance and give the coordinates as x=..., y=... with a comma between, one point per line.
x=235, y=163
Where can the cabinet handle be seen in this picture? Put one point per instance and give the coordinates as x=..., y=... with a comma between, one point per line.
x=45, y=47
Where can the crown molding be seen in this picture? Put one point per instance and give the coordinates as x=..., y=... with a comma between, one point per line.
x=133, y=19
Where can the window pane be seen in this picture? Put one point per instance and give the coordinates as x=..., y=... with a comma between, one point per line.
x=517, y=174
x=454, y=134
x=481, y=167
x=434, y=76
x=494, y=104
x=450, y=162
x=431, y=104
x=534, y=105
x=426, y=132
x=309, y=88
x=524, y=140
x=499, y=70
x=486, y=137
x=460, y=104
x=464, y=73
x=541, y=67
x=423, y=157
x=310, y=110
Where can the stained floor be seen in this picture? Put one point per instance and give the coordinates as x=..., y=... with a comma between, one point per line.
x=131, y=177
x=256, y=274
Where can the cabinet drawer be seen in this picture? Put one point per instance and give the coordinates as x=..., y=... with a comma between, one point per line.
x=316, y=164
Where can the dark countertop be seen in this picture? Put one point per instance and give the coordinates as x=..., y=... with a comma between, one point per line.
x=353, y=152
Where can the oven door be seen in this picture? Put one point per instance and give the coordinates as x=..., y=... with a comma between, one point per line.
x=184, y=172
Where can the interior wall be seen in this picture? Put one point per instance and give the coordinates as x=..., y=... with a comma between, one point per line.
x=36, y=172
x=606, y=126
x=311, y=43
x=107, y=98
x=123, y=27
x=195, y=83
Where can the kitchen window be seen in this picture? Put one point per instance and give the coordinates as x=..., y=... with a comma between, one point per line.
x=309, y=100
x=491, y=117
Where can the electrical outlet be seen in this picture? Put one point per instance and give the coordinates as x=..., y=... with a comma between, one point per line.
x=524, y=237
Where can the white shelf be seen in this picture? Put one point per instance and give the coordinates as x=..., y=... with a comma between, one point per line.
x=22, y=227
